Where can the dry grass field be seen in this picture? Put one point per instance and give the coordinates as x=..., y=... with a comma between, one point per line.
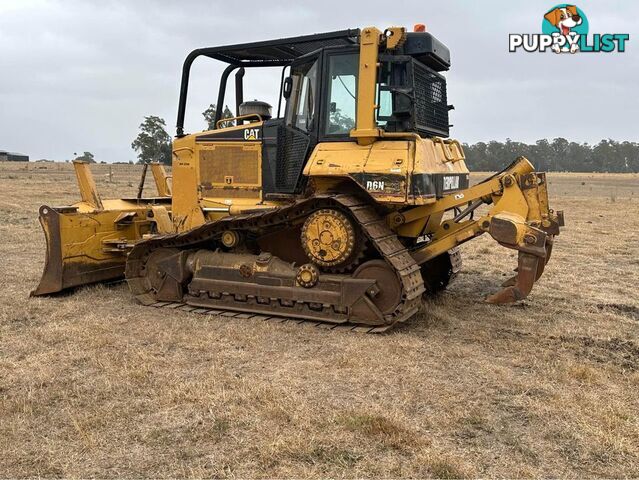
x=94, y=385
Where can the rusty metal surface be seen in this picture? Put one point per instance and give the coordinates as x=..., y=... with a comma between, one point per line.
x=519, y=287
x=390, y=294
x=227, y=293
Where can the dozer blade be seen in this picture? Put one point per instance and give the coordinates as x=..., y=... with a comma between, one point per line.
x=88, y=242
x=85, y=248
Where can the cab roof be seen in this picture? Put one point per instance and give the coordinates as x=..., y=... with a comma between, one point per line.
x=281, y=51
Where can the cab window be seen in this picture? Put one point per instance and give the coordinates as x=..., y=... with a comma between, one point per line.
x=342, y=92
x=303, y=93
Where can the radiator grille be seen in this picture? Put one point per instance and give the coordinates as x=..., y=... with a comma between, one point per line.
x=241, y=162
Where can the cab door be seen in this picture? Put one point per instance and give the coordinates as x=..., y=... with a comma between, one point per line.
x=297, y=136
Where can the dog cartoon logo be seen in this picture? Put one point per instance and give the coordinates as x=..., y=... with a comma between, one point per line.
x=565, y=29
x=568, y=21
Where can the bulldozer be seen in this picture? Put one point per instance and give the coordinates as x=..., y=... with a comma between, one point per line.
x=345, y=208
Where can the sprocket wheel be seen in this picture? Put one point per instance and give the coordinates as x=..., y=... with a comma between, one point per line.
x=329, y=238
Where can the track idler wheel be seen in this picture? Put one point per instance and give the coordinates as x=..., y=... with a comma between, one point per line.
x=388, y=292
x=164, y=273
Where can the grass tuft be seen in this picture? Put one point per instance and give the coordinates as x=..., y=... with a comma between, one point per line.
x=447, y=468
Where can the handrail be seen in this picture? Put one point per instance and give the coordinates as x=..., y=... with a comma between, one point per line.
x=447, y=151
x=454, y=141
x=240, y=117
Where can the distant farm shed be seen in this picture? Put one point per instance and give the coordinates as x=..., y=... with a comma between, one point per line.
x=13, y=157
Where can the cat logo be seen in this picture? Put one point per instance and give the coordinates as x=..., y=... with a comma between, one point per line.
x=251, y=134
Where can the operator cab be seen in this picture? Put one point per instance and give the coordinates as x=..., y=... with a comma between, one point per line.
x=319, y=92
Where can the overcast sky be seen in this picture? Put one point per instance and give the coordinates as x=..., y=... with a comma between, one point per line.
x=81, y=75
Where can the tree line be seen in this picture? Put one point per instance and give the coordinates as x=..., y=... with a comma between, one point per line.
x=153, y=144
x=557, y=155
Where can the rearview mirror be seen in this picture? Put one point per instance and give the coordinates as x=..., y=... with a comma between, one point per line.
x=288, y=87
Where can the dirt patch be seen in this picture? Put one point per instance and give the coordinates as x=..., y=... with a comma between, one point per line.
x=629, y=311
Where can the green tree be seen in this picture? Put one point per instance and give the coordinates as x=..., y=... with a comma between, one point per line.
x=209, y=116
x=153, y=144
x=340, y=122
x=86, y=157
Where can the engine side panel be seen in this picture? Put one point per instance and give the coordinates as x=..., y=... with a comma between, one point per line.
x=401, y=172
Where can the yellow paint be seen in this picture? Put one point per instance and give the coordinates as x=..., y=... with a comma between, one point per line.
x=162, y=219
x=232, y=167
x=86, y=184
x=328, y=237
x=161, y=179
x=186, y=210
x=366, y=131
x=521, y=208
x=401, y=157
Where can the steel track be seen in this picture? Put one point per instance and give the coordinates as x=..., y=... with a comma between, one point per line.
x=272, y=318
x=370, y=222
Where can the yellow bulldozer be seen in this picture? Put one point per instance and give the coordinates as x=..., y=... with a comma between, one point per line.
x=345, y=208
